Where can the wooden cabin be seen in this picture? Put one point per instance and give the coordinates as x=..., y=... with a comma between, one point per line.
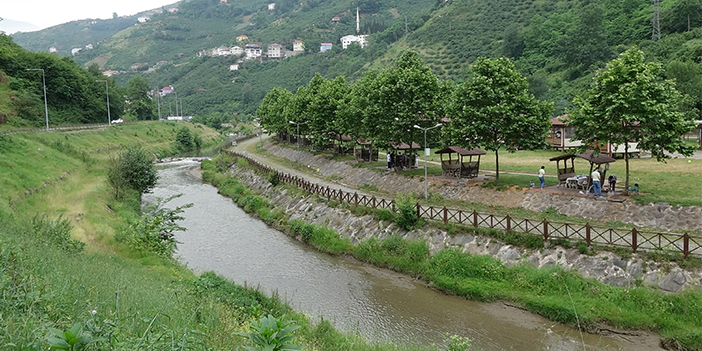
x=561, y=138
x=409, y=150
x=460, y=167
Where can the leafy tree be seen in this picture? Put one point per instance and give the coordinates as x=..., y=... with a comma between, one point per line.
x=184, y=140
x=629, y=101
x=496, y=110
x=585, y=43
x=141, y=106
x=132, y=169
x=323, y=105
x=271, y=111
x=400, y=97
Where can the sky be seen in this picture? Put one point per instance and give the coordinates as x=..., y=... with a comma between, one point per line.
x=47, y=13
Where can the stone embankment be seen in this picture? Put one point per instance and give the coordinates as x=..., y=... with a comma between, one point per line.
x=659, y=215
x=604, y=266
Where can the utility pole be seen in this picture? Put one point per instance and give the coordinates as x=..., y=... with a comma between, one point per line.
x=158, y=102
x=656, y=21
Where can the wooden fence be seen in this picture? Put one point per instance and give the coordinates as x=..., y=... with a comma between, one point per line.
x=631, y=238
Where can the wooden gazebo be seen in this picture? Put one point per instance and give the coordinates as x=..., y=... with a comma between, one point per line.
x=564, y=172
x=365, y=152
x=597, y=160
x=411, y=157
x=459, y=167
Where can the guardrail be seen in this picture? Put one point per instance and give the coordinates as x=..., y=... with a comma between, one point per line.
x=631, y=238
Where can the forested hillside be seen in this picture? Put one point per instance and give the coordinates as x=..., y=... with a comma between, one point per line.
x=556, y=44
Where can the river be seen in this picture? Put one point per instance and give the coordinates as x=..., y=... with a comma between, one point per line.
x=378, y=304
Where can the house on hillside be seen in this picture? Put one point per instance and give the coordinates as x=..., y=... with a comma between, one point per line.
x=234, y=67
x=324, y=47
x=109, y=73
x=298, y=46
x=242, y=37
x=173, y=10
x=74, y=51
x=89, y=47
x=271, y=6
x=236, y=50
x=275, y=51
x=360, y=39
x=335, y=19
x=166, y=90
x=253, y=50
x=143, y=19
x=53, y=50
x=222, y=51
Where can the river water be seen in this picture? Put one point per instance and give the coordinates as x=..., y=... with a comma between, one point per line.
x=378, y=304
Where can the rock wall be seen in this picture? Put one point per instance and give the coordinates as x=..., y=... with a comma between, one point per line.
x=659, y=215
x=604, y=266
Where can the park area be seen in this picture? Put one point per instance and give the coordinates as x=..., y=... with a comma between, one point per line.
x=676, y=181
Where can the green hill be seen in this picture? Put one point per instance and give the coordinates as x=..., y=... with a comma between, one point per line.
x=556, y=44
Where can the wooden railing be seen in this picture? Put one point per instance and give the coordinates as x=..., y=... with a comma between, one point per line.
x=631, y=238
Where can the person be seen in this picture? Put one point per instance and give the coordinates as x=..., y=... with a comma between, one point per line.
x=542, y=175
x=596, y=185
x=612, y=183
x=389, y=158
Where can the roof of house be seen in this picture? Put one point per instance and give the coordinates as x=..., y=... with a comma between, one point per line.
x=598, y=160
x=404, y=146
x=461, y=151
x=558, y=121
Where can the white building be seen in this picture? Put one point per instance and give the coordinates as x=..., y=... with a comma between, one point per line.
x=271, y=6
x=298, y=46
x=253, y=50
x=360, y=39
x=275, y=51
x=74, y=51
x=143, y=19
x=236, y=50
x=53, y=49
x=234, y=67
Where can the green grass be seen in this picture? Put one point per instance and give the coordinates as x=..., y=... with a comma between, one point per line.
x=148, y=302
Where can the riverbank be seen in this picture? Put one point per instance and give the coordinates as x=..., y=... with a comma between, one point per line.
x=355, y=229
x=62, y=268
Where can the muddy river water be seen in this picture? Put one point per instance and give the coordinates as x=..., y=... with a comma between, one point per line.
x=378, y=304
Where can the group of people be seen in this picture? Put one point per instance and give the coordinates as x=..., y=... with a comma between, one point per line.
x=401, y=160
x=595, y=177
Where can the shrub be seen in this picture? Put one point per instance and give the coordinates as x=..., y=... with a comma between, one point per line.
x=153, y=231
x=272, y=334
x=583, y=248
x=58, y=231
x=132, y=169
x=273, y=178
x=407, y=217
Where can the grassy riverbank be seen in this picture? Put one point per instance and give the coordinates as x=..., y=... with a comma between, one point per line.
x=555, y=293
x=54, y=197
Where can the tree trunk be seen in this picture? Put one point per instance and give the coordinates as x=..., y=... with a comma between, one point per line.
x=497, y=165
x=626, y=161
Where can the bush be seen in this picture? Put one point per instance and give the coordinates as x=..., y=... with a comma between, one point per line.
x=133, y=169
x=273, y=178
x=153, y=231
x=407, y=218
x=58, y=231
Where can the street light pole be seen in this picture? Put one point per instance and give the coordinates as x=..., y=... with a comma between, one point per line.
x=107, y=92
x=298, y=140
x=426, y=179
x=46, y=106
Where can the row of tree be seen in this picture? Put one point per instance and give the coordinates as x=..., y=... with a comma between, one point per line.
x=493, y=110
x=629, y=101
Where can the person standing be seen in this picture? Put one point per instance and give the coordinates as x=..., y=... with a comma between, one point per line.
x=596, y=185
x=542, y=175
x=389, y=158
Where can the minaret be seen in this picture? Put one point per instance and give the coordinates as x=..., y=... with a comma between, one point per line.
x=358, y=23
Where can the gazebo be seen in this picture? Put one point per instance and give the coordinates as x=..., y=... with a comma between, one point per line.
x=365, y=152
x=407, y=149
x=458, y=167
x=565, y=172
x=597, y=160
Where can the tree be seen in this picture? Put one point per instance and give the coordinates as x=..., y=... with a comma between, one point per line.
x=141, y=105
x=271, y=111
x=400, y=97
x=132, y=169
x=495, y=110
x=629, y=101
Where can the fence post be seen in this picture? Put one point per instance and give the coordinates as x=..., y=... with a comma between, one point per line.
x=341, y=196
x=475, y=219
x=588, y=239
x=509, y=223
x=634, y=240
x=355, y=198
x=328, y=194
x=686, y=245
x=373, y=202
x=545, y=230
x=392, y=204
x=445, y=215
x=418, y=214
